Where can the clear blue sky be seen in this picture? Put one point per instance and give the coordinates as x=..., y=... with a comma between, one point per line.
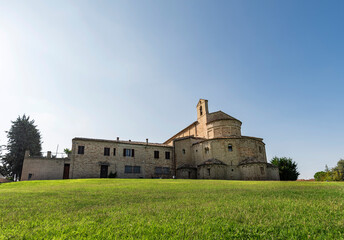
x=136, y=69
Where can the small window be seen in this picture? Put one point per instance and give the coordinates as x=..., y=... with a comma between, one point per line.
x=209, y=171
x=81, y=149
x=114, y=151
x=128, y=152
x=106, y=151
x=262, y=170
x=184, y=151
x=30, y=176
x=206, y=150
x=166, y=170
x=167, y=155
x=260, y=149
x=137, y=169
x=162, y=170
x=158, y=170
x=132, y=169
x=156, y=154
x=232, y=169
x=128, y=169
x=200, y=111
x=230, y=148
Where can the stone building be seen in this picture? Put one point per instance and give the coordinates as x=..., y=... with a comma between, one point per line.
x=210, y=148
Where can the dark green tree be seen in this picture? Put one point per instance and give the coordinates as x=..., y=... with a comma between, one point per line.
x=22, y=136
x=287, y=168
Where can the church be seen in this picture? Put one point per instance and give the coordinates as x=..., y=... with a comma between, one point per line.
x=212, y=147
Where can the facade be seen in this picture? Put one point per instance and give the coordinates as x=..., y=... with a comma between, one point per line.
x=210, y=148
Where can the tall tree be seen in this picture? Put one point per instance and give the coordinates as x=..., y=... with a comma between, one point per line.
x=287, y=168
x=22, y=136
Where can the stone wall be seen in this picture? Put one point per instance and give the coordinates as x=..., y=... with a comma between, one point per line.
x=242, y=150
x=88, y=165
x=212, y=172
x=224, y=128
x=43, y=168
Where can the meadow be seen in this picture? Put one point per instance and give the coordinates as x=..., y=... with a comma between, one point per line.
x=171, y=209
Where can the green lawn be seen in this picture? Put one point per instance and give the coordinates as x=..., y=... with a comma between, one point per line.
x=177, y=209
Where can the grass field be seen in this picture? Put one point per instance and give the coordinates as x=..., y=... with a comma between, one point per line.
x=177, y=209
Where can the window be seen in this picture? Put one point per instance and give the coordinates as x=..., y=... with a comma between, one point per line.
x=206, y=150
x=30, y=176
x=128, y=152
x=162, y=170
x=156, y=154
x=200, y=111
x=158, y=170
x=230, y=148
x=132, y=169
x=166, y=170
x=209, y=171
x=81, y=149
x=183, y=151
x=128, y=169
x=260, y=149
x=106, y=151
x=114, y=151
x=167, y=155
x=137, y=169
x=262, y=170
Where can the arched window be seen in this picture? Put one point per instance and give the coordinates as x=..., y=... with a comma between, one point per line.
x=230, y=148
x=200, y=111
x=206, y=150
x=183, y=151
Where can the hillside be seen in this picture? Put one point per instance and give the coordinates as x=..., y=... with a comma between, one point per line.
x=177, y=209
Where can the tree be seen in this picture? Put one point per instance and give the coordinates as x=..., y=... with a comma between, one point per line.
x=22, y=136
x=333, y=174
x=67, y=151
x=320, y=176
x=287, y=168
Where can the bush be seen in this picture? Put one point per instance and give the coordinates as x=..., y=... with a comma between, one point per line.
x=113, y=175
x=287, y=168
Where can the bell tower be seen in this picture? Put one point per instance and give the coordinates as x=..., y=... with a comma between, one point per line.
x=202, y=108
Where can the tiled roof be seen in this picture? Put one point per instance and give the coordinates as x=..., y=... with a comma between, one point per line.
x=219, y=115
x=212, y=161
x=121, y=141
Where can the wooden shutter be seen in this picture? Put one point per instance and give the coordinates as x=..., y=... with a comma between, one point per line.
x=133, y=152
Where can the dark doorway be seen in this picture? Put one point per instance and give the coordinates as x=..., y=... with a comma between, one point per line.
x=103, y=171
x=66, y=171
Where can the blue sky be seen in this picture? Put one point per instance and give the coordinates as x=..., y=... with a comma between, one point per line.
x=136, y=69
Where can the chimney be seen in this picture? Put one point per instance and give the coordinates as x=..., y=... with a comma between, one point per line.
x=117, y=139
x=49, y=154
x=147, y=141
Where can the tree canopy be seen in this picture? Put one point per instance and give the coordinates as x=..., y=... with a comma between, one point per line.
x=334, y=174
x=23, y=135
x=287, y=168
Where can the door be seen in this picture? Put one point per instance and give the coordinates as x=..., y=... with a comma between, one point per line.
x=66, y=171
x=103, y=171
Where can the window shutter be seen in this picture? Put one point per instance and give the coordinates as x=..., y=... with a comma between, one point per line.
x=124, y=152
x=133, y=152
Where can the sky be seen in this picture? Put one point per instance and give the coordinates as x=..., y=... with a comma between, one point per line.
x=136, y=70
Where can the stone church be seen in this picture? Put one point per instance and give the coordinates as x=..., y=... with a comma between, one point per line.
x=212, y=147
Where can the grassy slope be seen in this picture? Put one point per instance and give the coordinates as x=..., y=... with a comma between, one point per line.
x=158, y=209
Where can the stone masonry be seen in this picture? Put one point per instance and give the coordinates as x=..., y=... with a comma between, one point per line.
x=210, y=148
